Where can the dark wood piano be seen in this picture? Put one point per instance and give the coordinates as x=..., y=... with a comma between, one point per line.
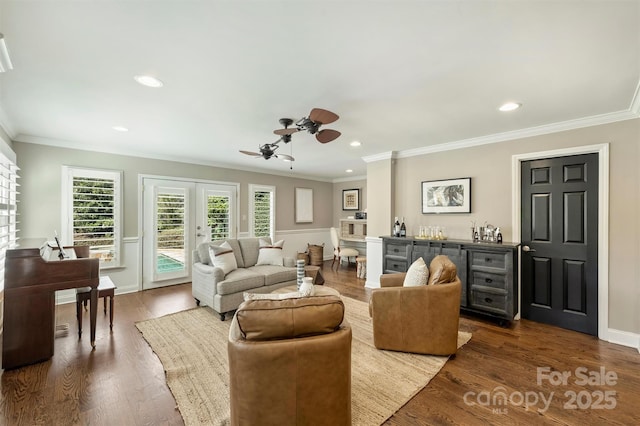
x=30, y=283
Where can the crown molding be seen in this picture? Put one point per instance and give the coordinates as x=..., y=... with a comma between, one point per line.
x=522, y=133
x=349, y=179
x=389, y=155
x=5, y=124
x=58, y=143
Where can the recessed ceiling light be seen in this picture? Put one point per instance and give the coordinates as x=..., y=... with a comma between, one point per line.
x=120, y=129
x=147, y=80
x=509, y=106
x=355, y=143
x=349, y=171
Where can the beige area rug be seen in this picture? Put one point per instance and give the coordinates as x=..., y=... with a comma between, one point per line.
x=192, y=346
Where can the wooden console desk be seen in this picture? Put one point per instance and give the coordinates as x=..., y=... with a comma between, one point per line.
x=353, y=233
x=29, y=301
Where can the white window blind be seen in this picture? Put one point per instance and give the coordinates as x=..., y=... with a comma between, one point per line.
x=92, y=215
x=8, y=210
x=219, y=216
x=262, y=210
x=170, y=230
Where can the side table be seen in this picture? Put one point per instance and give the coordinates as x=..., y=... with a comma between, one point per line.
x=315, y=273
x=361, y=267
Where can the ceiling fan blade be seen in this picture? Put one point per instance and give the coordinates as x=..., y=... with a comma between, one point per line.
x=285, y=157
x=285, y=132
x=322, y=116
x=327, y=135
x=256, y=154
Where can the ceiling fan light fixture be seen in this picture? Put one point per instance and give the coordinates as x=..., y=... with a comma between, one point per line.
x=355, y=143
x=509, y=106
x=149, y=81
x=5, y=61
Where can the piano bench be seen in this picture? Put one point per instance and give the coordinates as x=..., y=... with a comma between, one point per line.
x=106, y=288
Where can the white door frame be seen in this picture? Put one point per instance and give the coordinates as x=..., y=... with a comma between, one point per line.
x=603, y=219
x=141, y=178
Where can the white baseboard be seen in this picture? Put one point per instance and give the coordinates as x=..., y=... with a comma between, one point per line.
x=125, y=278
x=624, y=338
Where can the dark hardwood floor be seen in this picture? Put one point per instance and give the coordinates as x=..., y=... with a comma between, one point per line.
x=122, y=382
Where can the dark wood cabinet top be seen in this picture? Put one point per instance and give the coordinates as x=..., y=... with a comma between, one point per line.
x=468, y=243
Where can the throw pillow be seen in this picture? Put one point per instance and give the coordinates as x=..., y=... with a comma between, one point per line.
x=222, y=256
x=270, y=254
x=417, y=275
x=442, y=270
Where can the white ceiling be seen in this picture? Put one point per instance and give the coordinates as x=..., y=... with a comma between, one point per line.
x=402, y=75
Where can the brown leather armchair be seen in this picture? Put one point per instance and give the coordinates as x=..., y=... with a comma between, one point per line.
x=290, y=362
x=422, y=319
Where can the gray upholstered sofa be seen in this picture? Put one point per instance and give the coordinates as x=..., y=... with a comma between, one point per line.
x=210, y=286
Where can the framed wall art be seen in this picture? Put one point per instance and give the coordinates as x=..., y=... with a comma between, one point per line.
x=350, y=199
x=304, y=205
x=446, y=196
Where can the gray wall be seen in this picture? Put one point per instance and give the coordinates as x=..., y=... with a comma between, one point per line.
x=338, y=187
x=489, y=166
x=40, y=196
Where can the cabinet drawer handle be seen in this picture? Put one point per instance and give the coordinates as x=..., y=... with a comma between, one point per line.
x=488, y=299
x=488, y=260
x=488, y=280
x=395, y=266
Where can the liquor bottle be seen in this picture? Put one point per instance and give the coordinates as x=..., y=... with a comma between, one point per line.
x=396, y=228
x=403, y=229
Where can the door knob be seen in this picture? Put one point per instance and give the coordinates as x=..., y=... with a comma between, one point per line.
x=527, y=249
x=200, y=235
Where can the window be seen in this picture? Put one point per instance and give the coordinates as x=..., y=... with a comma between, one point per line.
x=262, y=214
x=219, y=216
x=91, y=212
x=171, y=231
x=8, y=222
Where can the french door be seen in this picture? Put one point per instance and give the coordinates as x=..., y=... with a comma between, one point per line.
x=177, y=216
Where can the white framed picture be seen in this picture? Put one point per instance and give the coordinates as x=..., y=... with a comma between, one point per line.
x=304, y=205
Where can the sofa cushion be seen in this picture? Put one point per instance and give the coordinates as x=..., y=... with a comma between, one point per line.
x=274, y=274
x=250, y=247
x=289, y=318
x=417, y=275
x=270, y=254
x=222, y=257
x=240, y=280
x=442, y=270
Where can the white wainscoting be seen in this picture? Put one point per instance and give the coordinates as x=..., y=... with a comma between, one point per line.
x=296, y=240
x=126, y=277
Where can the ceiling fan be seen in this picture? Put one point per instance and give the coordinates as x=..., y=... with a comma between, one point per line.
x=268, y=150
x=317, y=117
